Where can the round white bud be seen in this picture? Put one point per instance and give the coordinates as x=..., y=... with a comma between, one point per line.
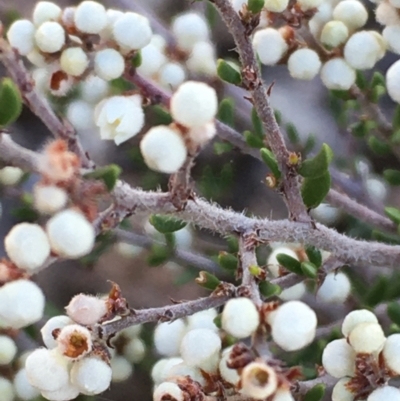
x=386, y=14
x=50, y=37
x=163, y=149
x=276, y=6
x=90, y=17
x=121, y=369
x=27, y=246
x=202, y=320
x=45, y=11
x=190, y=28
x=81, y=115
x=74, y=341
x=367, y=338
x=168, y=337
x=269, y=45
x=86, y=309
x=91, y=375
x=6, y=390
x=390, y=353
x=338, y=358
x=240, y=317
x=283, y=394
x=109, y=64
x=194, y=104
x=134, y=350
x=157, y=370
x=385, y=393
x=200, y=347
x=335, y=288
x=21, y=36
x=70, y=234
x=258, y=380
x=393, y=81
x=131, y=331
x=337, y=74
x=8, y=350
x=228, y=374
x=304, y=64
x=294, y=292
x=376, y=188
x=356, y=317
x=67, y=392
x=171, y=75
x=37, y=59
x=341, y=392
x=23, y=389
x=202, y=59
x=167, y=367
x=112, y=16
x=10, y=175
x=132, y=31
x=152, y=60
x=49, y=199
x=182, y=369
x=94, y=89
x=169, y=391
x=392, y=36
x=74, y=61
x=119, y=118
x=203, y=134
x=352, y=13
x=272, y=261
x=56, y=322
x=334, y=33
x=47, y=369
x=293, y=325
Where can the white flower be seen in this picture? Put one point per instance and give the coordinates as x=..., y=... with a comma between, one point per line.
x=86, y=309
x=202, y=320
x=351, y=12
x=49, y=199
x=393, y=81
x=162, y=370
x=50, y=37
x=390, y=353
x=376, y=188
x=91, y=375
x=240, y=317
x=23, y=388
x=337, y=74
x=80, y=114
x=163, y=149
x=45, y=11
x=74, y=61
x=258, y=380
x=340, y=391
x=10, y=175
x=37, y=59
x=334, y=33
x=56, y=322
x=90, y=17
x=392, y=36
x=74, y=341
x=338, y=358
x=70, y=234
x=202, y=59
x=27, y=246
x=276, y=6
x=119, y=118
x=356, y=317
x=109, y=64
x=294, y=292
x=171, y=75
x=134, y=350
x=152, y=60
x=228, y=374
x=190, y=28
x=304, y=64
x=335, y=288
x=203, y=134
x=121, y=369
x=269, y=45
x=386, y=14
x=385, y=393
x=6, y=390
x=168, y=337
x=169, y=391
x=8, y=350
x=367, y=338
x=21, y=36
x=94, y=89
x=132, y=31
x=194, y=104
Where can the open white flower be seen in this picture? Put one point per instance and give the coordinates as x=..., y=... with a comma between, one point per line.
x=119, y=118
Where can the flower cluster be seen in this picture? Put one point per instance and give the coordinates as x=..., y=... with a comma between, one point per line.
x=364, y=360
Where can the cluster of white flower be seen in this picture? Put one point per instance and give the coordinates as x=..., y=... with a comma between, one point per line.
x=10, y=175
x=364, y=349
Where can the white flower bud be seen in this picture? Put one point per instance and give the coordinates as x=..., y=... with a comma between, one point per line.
x=335, y=288
x=182, y=369
x=304, y=64
x=132, y=331
x=240, y=317
x=90, y=17
x=272, y=262
x=6, y=390
x=50, y=37
x=74, y=61
x=46, y=11
x=367, y=338
x=340, y=391
x=386, y=14
x=38, y=60
x=338, y=358
x=161, y=369
x=121, y=369
x=8, y=350
x=109, y=64
x=119, y=118
x=134, y=350
x=334, y=33
x=228, y=374
x=190, y=28
x=258, y=380
x=269, y=45
x=194, y=104
x=49, y=199
x=112, y=16
x=128, y=251
x=283, y=394
x=393, y=81
x=376, y=188
x=70, y=234
x=65, y=393
x=152, y=60
x=74, y=341
x=10, y=175
x=294, y=292
x=94, y=89
x=56, y=322
x=163, y=149
x=276, y=6
x=202, y=320
x=47, y=369
x=202, y=59
x=392, y=36
x=171, y=75
x=21, y=36
x=132, y=31
x=168, y=391
x=385, y=393
x=168, y=337
x=81, y=115
x=23, y=389
x=203, y=134
x=352, y=13
x=21, y=303
x=86, y=309
x=91, y=375
x=390, y=353
x=201, y=348
x=356, y=317
x=337, y=74
x=293, y=325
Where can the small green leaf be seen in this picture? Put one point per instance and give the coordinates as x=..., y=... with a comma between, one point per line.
x=228, y=261
x=10, y=102
x=378, y=79
x=384, y=237
x=318, y=165
x=314, y=255
x=159, y=254
x=268, y=289
x=309, y=269
x=396, y=118
x=289, y=263
x=376, y=93
x=226, y=111
x=341, y=94
x=378, y=291
x=278, y=116
x=166, y=224
x=395, y=138
x=314, y=190
x=255, y=6
x=393, y=214
x=393, y=311
x=309, y=145
x=270, y=160
x=208, y=280
x=218, y=321
x=392, y=176
x=108, y=174
x=253, y=140
x=233, y=243
x=137, y=59
x=161, y=116
x=362, y=128
x=361, y=81
x=292, y=133
x=229, y=72
x=316, y=393
x=222, y=147
x=257, y=124
x=379, y=147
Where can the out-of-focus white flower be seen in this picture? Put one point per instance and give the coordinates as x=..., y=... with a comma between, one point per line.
x=152, y=60
x=49, y=199
x=23, y=389
x=80, y=115
x=37, y=59
x=390, y=353
x=134, y=350
x=190, y=28
x=393, y=81
x=66, y=392
x=202, y=59
x=203, y=134
x=168, y=337
x=334, y=33
x=386, y=14
x=10, y=175
x=45, y=11
x=269, y=45
x=391, y=34
x=385, y=393
x=171, y=75
x=50, y=37
x=90, y=17
x=94, y=89
x=21, y=36
x=341, y=392
x=304, y=64
x=109, y=64
x=121, y=369
x=169, y=391
x=6, y=390
x=74, y=61
x=376, y=188
x=294, y=292
x=276, y=6
x=351, y=12
x=8, y=350
x=308, y=4
x=119, y=118
x=335, y=288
